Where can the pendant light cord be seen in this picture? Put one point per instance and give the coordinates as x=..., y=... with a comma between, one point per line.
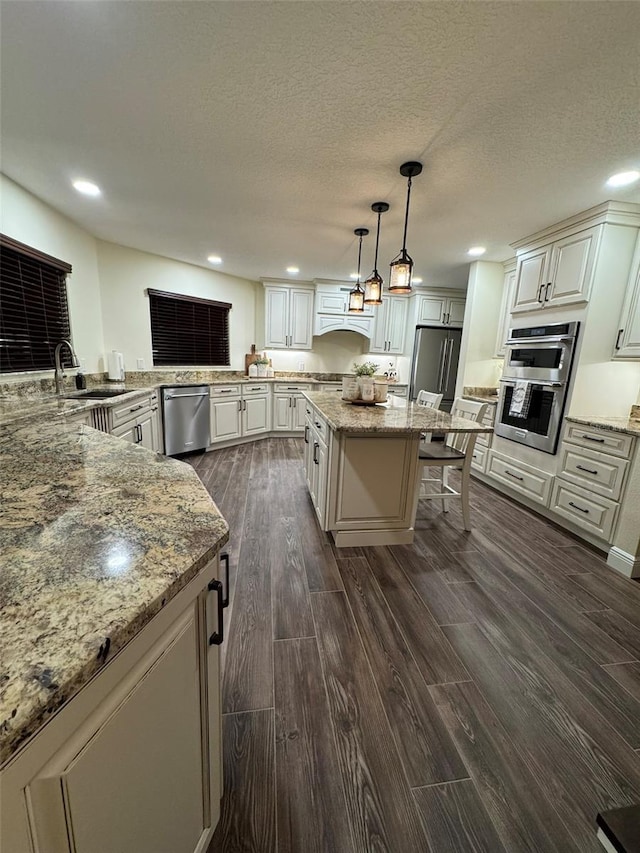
x=406, y=218
x=359, y=256
x=375, y=262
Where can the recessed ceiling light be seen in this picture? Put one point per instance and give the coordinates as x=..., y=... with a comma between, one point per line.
x=622, y=179
x=417, y=280
x=476, y=251
x=87, y=188
x=293, y=270
x=354, y=275
x=214, y=259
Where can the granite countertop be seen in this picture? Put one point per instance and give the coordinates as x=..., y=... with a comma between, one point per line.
x=17, y=408
x=96, y=535
x=396, y=415
x=491, y=399
x=630, y=426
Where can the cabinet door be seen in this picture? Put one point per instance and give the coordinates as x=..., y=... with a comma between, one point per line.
x=282, y=411
x=505, y=312
x=396, y=324
x=455, y=312
x=531, y=279
x=571, y=271
x=226, y=420
x=148, y=431
x=300, y=319
x=308, y=450
x=137, y=783
x=379, y=335
x=299, y=412
x=431, y=309
x=321, y=484
x=627, y=344
x=255, y=415
x=331, y=303
x=313, y=468
x=128, y=432
x=276, y=335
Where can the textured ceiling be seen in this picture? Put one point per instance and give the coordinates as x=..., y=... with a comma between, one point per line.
x=262, y=131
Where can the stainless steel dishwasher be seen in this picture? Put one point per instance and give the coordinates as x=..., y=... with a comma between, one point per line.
x=185, y=413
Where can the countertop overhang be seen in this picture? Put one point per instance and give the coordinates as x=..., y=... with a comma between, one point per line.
x=96, y=536
x=395, y=416
x=630, y=426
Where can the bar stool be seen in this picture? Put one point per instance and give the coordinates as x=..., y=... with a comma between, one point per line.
x=428, y=400
x=455, y=452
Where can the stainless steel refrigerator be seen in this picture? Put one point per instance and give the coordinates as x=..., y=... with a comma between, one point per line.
x=436, y=353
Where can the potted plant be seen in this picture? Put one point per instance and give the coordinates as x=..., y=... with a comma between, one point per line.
x=262, y=362
x=365, y=372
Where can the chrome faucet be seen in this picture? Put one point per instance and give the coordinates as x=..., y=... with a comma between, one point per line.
x=59, y=372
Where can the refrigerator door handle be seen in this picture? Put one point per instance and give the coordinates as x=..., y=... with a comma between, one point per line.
x=441, y=369
x=449, y=360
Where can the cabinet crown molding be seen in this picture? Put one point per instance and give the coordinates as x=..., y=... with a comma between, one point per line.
x=282, y=282
x=610, y=212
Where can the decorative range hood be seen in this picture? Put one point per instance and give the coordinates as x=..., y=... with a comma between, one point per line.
x=332, y=314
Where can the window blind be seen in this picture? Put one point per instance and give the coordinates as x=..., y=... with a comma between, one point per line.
x=34, y=312
x=188, y=331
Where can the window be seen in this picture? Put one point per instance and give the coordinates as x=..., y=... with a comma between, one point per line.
x=34, y=314
x=186, y=330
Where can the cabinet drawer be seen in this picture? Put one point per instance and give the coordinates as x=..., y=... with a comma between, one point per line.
x=597, y=472
x=397, y=390
x=319, y=425
x=530, y=481
x=285, y=388
x=331, y=386
x=584, y=509
x=483, y=440
x=122, y=414
x=253, y=390
x=224, y=390
x=489, y=416
x=479, y=460
x=615, y=443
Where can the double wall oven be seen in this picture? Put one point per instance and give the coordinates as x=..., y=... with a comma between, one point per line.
x=534, y=384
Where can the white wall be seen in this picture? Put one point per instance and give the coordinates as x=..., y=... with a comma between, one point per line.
x=125, y=274
x=482, y=312
x=29, y=220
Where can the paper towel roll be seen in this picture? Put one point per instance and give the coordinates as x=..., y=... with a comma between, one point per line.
x=115, y=366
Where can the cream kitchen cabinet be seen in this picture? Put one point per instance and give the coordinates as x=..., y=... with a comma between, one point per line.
x=256, y=409
x=508, y=291
x=557, y=274
x=627, y=344
x=289, y=407
x=142, y=430
x=137, y=421
x=238, y=410
x=288, y=317
x=133, y=761
x=316, y=460
x=389, y=325
x=436, y=309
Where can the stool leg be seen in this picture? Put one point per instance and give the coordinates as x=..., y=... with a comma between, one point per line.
x=444, y=481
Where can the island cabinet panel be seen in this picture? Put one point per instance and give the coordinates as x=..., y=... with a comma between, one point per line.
x=372, y=484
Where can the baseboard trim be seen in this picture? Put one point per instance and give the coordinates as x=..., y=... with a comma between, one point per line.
x=258, y=436
x=624, y=563
x=354, y=538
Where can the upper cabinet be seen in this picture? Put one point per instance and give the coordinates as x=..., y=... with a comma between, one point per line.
x=436, y=309
x=558, y=273
x=288, y=317
x=508, y=289
x=627, y=343
x=389, y=325
x=332, y=310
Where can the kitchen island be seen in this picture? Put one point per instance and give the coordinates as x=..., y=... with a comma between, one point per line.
x=109, y=685
x=362, y=465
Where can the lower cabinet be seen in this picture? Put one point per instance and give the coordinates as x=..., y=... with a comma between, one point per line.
x=225, y=419
x=137, y=421
x=521, y=477
x=246, y=412
x=133, y=761
x=289, y=408
x=143, y=430
x=316, y=461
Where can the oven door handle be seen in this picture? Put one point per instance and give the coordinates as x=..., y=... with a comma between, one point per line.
x=534, y=382
x=537, y=342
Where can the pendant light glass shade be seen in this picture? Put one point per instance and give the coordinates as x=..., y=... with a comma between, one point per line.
x=373, y=285
x=401, y=267
x=356, y=296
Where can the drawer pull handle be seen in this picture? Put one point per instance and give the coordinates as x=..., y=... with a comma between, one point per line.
x=217, y=637
x=620, y=331
x=224, y=558
x=136, y=408
x=581, y=508
x=226, y=391
x=588, y=470
x=515, y=476
x=318, y=424
x=306, y=434
x=592, y=438
x=315, y=448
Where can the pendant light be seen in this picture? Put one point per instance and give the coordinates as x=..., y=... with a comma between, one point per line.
x=401, y=267
x=356, y=296
x=373, y=285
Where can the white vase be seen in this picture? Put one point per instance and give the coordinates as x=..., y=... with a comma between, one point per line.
x=350, y=388
x=262, y=369
x=366, y=388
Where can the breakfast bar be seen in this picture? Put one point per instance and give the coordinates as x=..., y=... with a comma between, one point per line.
x=362, y=465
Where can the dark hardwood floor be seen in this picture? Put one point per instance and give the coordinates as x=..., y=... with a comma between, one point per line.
x=471, y=692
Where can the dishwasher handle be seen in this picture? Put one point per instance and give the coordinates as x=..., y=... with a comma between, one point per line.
x=180, y=396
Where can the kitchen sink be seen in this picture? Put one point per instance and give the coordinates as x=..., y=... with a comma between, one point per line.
x=94, y=395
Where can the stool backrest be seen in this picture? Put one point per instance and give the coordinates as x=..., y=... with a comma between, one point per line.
x=428, y=399
x=470, y=410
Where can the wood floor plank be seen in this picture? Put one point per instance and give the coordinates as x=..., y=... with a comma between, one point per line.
x=454, y=819
x=247, y=821
x=311, y=808
x=617, y=592
x=428, y=581
x=628, y=675
x=426, y=750
x=586, y=766
x=247, y=682
x=548, y=649
x=622, y=632
x=289, y=592
x=435, y=658
x=319, y=557
x=514, y=798
x=383, y=814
